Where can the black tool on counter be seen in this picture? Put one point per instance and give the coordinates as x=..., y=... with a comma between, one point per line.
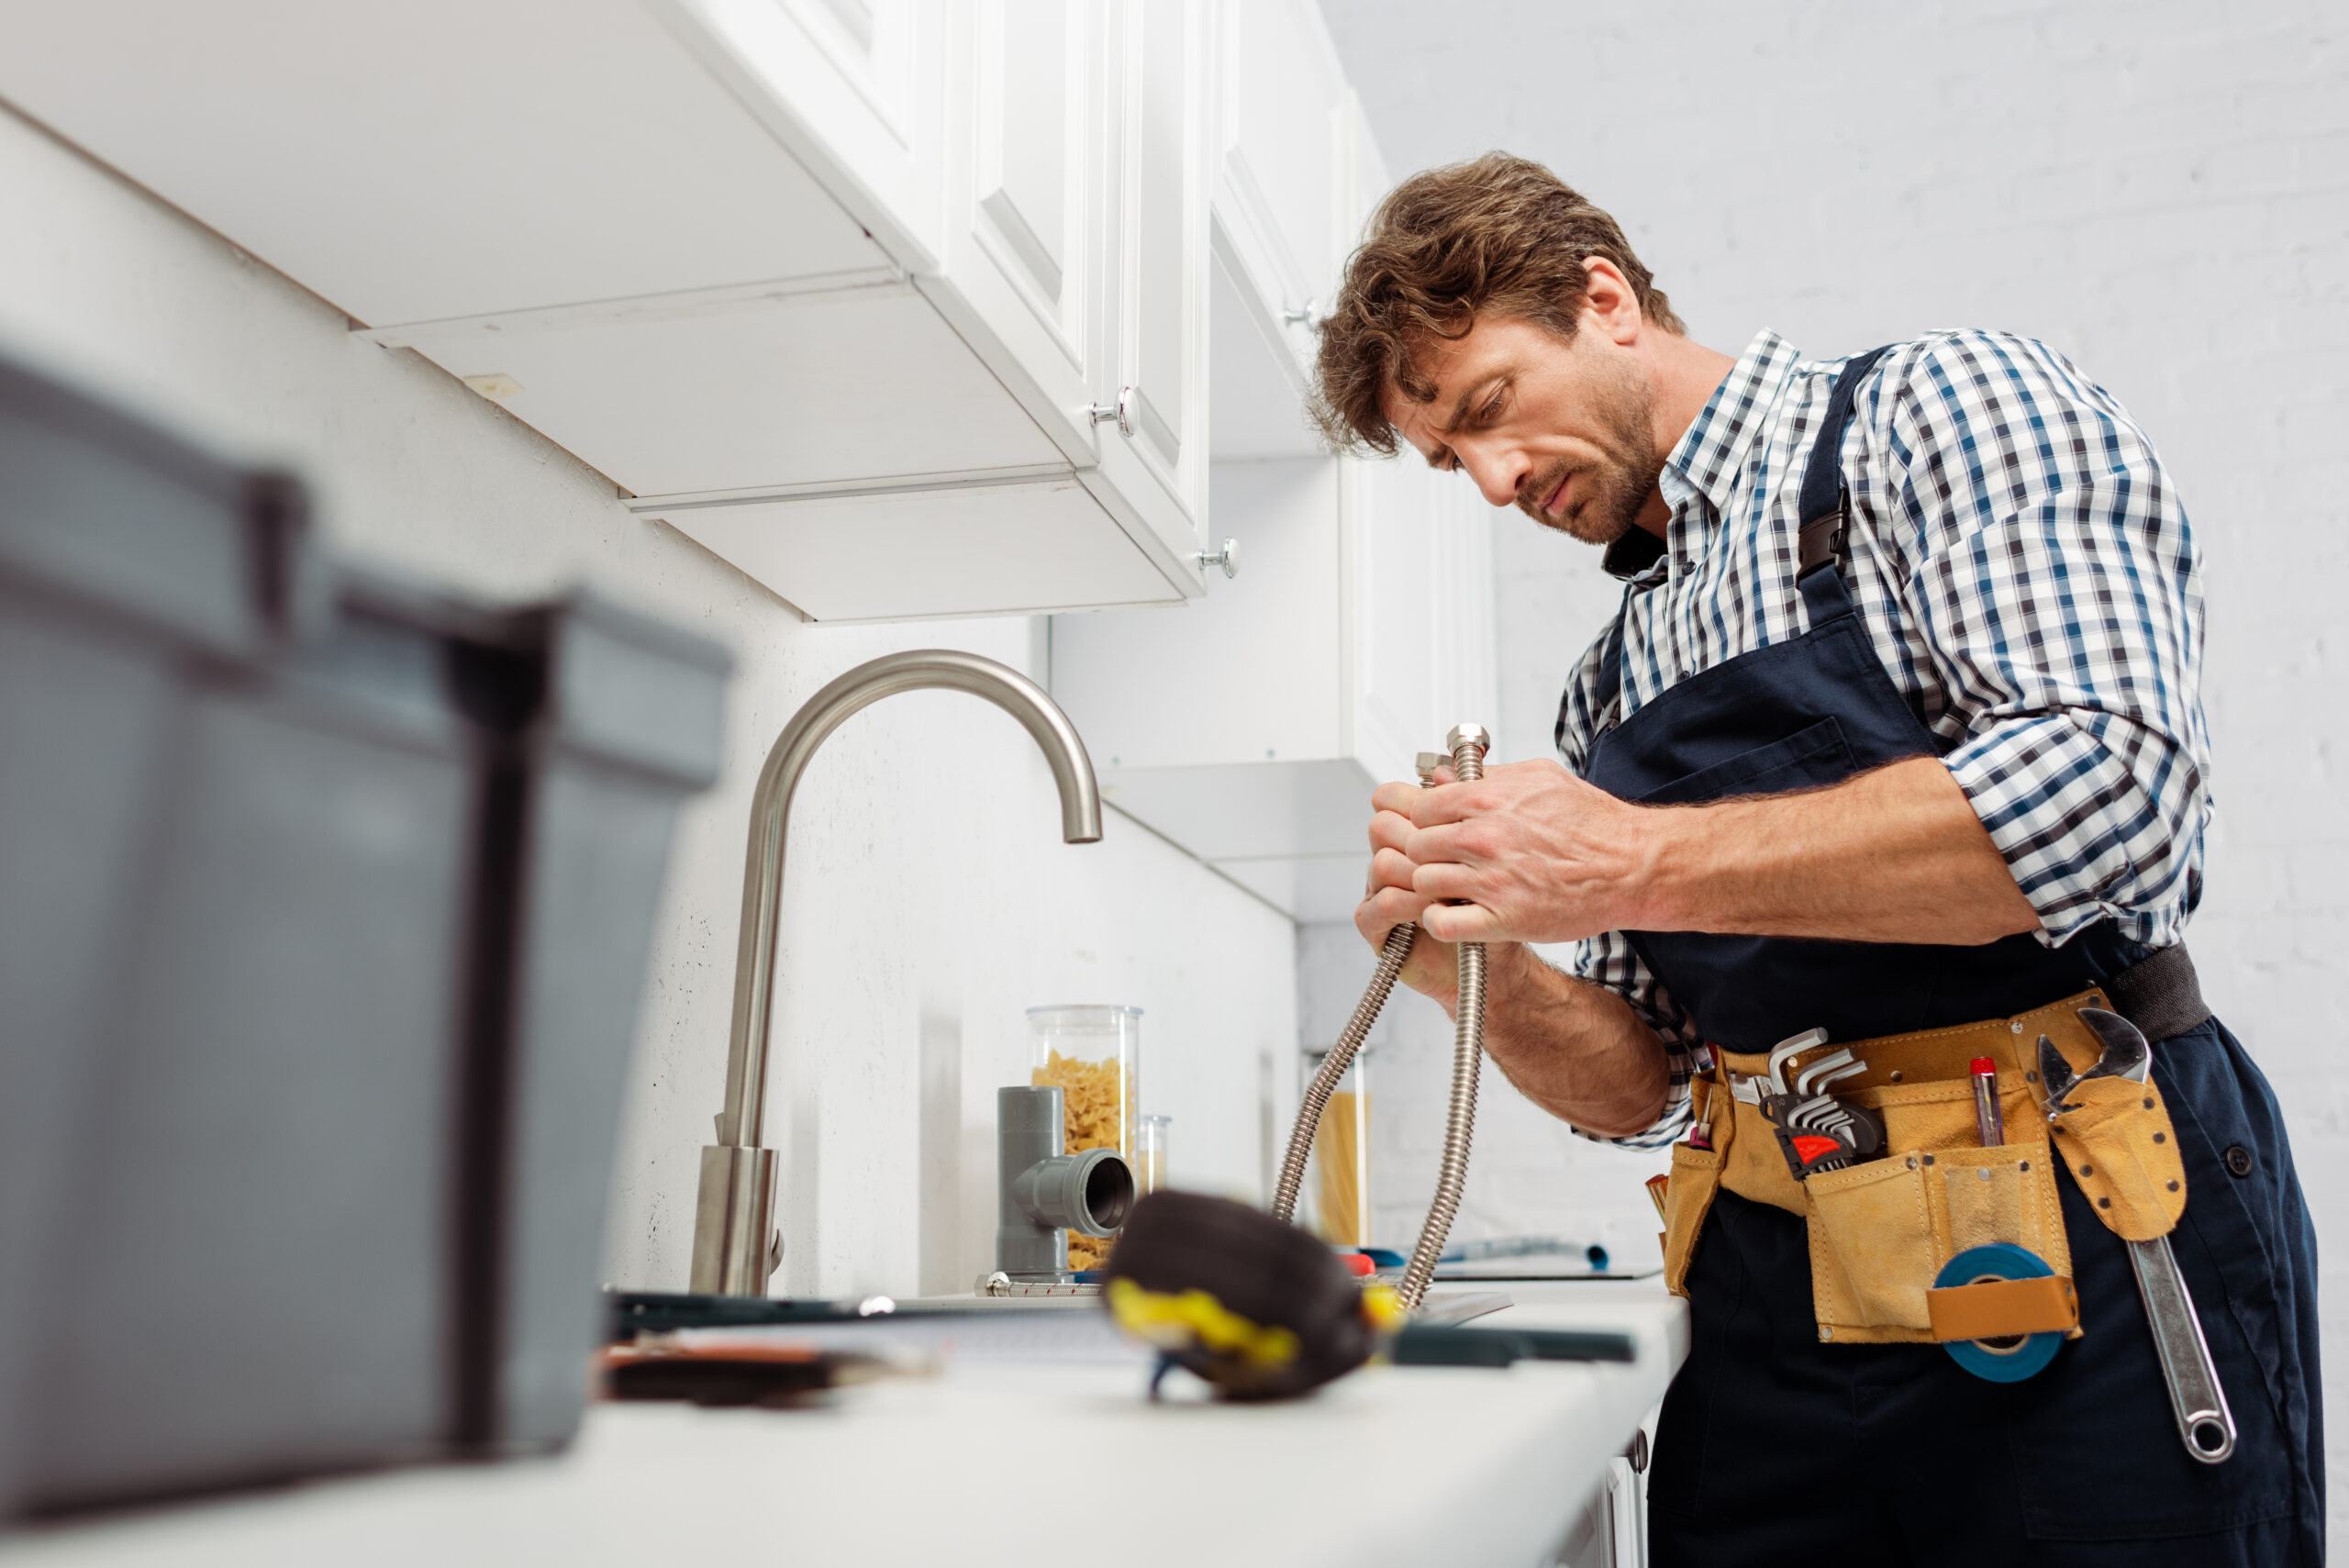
x=629, y=1313
x=1255, y=1305
x=1436, y=1345
x=778, y=1375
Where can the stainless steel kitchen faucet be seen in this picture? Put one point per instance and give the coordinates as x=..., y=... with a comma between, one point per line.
x=735, y=1244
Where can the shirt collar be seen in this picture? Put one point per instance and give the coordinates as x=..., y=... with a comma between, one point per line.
x=1712, y=452
x=1634, y=550
x=1709, y=458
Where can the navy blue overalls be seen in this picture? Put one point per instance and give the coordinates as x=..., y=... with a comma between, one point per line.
x=1775, y=1449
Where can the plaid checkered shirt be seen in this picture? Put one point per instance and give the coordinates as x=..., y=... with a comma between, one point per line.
x=2023, y=567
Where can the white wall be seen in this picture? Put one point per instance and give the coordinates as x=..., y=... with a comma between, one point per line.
x=930, y=898
x=2160, y=189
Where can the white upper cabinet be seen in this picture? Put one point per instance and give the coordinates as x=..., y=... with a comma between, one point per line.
x=1078, y=267
x=1282, y=193
x=1165, y=115
x=1029, y=251
x=1251, y=726
x=832, y=286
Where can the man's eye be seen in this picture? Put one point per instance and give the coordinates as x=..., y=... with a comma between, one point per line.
x=1490, y=411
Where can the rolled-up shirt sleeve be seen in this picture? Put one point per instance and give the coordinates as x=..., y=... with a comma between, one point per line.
x=2054, y=580
x=1610, y=959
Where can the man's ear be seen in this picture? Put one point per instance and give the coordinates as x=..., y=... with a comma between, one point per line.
x=1608, y=299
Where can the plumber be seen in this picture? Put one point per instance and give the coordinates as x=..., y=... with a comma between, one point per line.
x=1898, y=737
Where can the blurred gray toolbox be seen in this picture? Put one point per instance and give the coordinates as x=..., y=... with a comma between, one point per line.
x=350, y=1087
x=131, y=569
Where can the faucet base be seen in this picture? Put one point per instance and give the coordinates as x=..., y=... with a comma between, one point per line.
x=736, y=1245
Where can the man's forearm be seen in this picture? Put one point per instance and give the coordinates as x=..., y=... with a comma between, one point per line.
x=1575, y=1050
x=1894, y=855
x=1532, y=853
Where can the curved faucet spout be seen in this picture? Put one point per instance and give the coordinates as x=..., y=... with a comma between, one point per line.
x=734, y=1246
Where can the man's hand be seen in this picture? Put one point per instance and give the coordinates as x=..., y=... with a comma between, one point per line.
x=1433, y=968
x=1574, y=1049
x=1528, y=852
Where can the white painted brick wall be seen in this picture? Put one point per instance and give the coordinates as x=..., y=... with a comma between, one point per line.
x=2161, y=190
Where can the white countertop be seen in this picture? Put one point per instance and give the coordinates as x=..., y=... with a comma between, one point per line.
x=989, y=1463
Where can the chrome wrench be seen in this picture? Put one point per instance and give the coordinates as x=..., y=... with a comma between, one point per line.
x=2204, y=1421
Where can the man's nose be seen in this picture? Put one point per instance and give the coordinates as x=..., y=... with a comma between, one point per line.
x=1497, y=473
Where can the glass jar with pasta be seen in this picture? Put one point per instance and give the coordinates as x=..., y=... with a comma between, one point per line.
x=1092, y=1051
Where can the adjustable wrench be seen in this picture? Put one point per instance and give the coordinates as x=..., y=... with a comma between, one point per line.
x=2204, y=1421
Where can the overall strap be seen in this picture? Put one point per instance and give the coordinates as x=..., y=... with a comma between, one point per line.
x=1610, y=672
x=1824, y=505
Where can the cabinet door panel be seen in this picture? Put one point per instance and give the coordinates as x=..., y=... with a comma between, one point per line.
x=1037, y=166
x=1283, y=178
x=1162, y=260
x=1162, y=273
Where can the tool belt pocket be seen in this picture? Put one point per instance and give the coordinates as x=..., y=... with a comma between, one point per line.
x=1881, y=1230
x=2117, y=1138
x=1696, y=1177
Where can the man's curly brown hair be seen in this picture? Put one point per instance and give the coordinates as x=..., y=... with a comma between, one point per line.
x=1498, y=236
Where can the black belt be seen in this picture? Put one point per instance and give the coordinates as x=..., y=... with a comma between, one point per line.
x=2161, y=995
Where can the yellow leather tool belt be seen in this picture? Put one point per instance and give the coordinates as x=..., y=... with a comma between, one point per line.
x=1880, y=1231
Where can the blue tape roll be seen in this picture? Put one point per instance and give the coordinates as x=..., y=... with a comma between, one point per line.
x=1999, y=1363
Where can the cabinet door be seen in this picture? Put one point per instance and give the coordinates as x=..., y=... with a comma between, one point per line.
x=1036, y=243
x=856, y=88
x=1162, y=269
x=1282, y=183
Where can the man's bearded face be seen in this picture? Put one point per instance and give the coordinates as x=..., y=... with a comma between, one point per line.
x=1595, y=494
x=1563, y=430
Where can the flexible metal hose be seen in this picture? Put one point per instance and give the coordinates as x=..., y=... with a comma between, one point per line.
x=1467, y=744
x=1334, y=1065
x=1342, y=1055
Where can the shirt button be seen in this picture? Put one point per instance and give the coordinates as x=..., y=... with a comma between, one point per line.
x=2238, y=1160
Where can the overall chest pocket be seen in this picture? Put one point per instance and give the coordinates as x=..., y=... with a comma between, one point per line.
x=1816, y=754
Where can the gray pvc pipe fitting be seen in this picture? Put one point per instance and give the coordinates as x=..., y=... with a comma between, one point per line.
x=1043, y=1193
